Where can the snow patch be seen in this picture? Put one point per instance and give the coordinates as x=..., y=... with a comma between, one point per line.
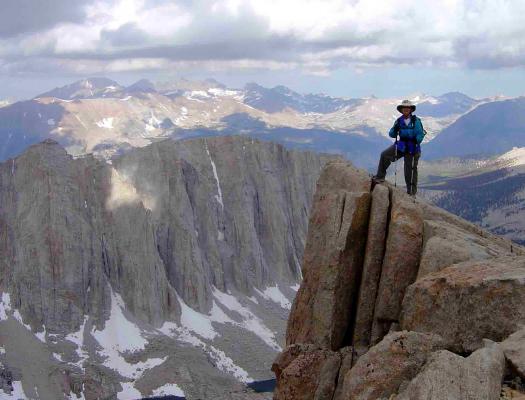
x=169, y=389
x=17, y=393
x=18, y=317
x=196, y=322
x=218, y=196
x=199, y=93
x=217, y=315
x=41, y=335
x=152, y=123
x=5, y=306
x=73, y=396
x=171, y=329
x=120, y=336
x=128, y=392
x=225, y=363
x=219, y=359
x=106, y=123
x=78, y=339
x=274, y=294
x=250, y=321
x=119, y=333
x=218, y=92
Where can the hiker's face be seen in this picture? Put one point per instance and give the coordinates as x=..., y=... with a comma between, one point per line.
x=406, y=111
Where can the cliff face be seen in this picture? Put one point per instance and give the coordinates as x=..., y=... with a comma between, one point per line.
x=62, y=248
x=228, y=212
x=170, y=238
x=394, y=292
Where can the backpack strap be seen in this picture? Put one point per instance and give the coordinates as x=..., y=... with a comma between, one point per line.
x=414, y=119
x=397, y=128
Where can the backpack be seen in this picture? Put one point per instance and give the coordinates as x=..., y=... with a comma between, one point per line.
x=413, y=120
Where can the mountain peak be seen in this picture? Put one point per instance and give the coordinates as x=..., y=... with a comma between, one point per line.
x=215, y=83
x=83, y=88
x=142, y=85
x=253, y=86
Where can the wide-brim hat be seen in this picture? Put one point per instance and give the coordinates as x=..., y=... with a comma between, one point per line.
x=406, y=103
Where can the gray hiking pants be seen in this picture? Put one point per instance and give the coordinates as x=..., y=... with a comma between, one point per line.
x=389, y=155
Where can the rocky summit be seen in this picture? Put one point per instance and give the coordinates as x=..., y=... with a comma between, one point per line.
x=170, y=270
x=401, y=300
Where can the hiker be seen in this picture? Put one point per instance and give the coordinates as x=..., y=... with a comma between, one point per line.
x=410, y=131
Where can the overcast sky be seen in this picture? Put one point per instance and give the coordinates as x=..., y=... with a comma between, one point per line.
x=347, y=48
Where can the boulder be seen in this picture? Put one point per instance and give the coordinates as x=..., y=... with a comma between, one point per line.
x=331, y=268
x=514, y=349
x=445, y=244
x=469, y=301
x=374, y=252
x=440, y=253
x=396, y=359
x=305, y=372
x=400, y=263
x=449, y=376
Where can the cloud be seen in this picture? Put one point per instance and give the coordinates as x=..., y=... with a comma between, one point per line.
x=23, y=16
x=318, y=36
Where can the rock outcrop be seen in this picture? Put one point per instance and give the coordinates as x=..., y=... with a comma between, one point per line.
x=449, y=376
x=489, y=294
x=332, y=263
x=320, y=366
x=400, y=263
x=396, y=359
x=428, y=291
x=374, y=253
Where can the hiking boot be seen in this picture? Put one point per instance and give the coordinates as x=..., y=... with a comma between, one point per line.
x=376, y=179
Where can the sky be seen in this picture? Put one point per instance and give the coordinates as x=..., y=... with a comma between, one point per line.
x=351, y=48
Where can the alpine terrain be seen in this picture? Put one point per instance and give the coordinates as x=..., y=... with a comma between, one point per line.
x=100, y=116
x=401, y=300
x=487, y=191
x=169, y=271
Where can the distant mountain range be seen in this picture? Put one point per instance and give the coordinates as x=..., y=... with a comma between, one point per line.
x=487, y=191
x=489, y=129
x=100, y=116
x=447, y=104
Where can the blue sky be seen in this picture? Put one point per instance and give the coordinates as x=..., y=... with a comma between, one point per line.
x=351, y=48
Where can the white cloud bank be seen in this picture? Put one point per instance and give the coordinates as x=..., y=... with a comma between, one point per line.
x=316, y=35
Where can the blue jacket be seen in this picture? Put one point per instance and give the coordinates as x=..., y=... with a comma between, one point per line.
x=411, y=132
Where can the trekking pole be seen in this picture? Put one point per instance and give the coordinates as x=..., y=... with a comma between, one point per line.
x=395, y=163
x=412, y=177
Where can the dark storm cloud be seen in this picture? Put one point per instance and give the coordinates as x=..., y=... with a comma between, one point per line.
x=25, y=16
